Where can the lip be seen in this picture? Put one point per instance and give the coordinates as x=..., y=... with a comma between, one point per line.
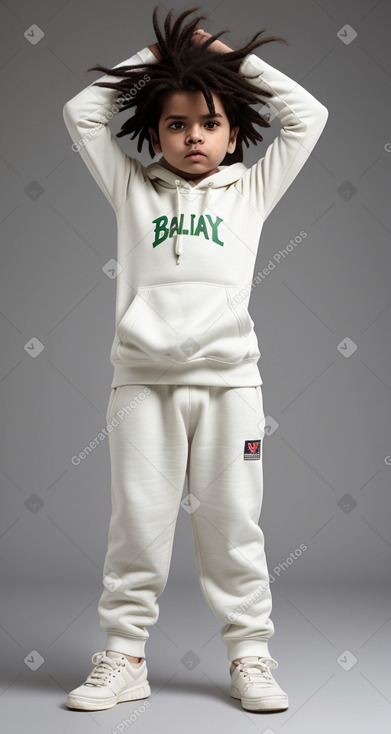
x=195, y=153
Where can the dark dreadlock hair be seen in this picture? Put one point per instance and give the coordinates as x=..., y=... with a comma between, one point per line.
x=191, y=66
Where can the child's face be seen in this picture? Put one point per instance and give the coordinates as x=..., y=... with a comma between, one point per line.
x=177, y=136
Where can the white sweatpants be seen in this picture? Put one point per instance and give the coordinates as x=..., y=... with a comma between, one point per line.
x=214, y=434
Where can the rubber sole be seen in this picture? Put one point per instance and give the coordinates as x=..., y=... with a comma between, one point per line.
x=274, y=703
x=84, y=703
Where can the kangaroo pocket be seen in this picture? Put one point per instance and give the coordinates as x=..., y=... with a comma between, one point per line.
x=186, y=322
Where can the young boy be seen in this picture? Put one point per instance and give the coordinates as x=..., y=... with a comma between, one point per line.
x=186, y=394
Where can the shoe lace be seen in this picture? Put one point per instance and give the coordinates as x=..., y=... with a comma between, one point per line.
x=104, y=668
x=257, y=671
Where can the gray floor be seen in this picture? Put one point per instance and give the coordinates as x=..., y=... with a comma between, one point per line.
x=319, y=632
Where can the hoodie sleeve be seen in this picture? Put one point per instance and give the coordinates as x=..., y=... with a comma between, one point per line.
x=86, y=117
x=302, y=117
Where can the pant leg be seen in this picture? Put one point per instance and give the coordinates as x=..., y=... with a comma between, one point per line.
x=148, y=452
x=229, y=542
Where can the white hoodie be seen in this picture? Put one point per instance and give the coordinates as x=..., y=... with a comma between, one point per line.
x=186, y=252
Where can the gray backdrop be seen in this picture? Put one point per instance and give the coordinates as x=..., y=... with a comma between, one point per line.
x=322, y=317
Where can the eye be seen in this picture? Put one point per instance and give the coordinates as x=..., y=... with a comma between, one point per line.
x=177, y=122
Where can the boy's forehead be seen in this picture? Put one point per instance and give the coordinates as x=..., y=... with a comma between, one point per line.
x=180, y=101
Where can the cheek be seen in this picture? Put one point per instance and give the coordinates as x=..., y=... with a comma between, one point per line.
x=172, y=142
x=164, y=138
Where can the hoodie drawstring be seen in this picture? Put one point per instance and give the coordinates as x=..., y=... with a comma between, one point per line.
x=178, y=240
x=178, y=237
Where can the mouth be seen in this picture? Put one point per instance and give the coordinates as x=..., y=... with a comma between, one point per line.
x=195, y=154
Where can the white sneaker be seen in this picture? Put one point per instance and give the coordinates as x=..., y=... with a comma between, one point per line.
x=114, y=679
x=253, y=683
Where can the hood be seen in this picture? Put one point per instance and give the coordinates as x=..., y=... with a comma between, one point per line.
x=225, y=176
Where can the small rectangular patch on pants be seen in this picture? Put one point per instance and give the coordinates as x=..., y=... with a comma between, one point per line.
x=252, y=449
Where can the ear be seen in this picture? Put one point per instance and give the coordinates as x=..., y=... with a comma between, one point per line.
x=155, y=140
x=232, y=139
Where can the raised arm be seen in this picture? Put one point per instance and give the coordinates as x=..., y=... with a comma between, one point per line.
x=86, y=117
x=302, y=117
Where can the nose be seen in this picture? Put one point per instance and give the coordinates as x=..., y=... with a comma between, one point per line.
x=195, y=135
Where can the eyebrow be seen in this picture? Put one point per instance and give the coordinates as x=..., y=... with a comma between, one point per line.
x=184, y=117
